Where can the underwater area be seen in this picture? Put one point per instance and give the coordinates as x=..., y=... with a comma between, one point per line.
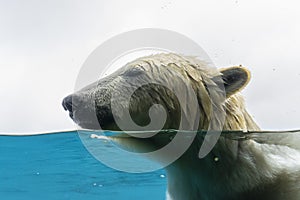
x=58, y=166
x=62, y=166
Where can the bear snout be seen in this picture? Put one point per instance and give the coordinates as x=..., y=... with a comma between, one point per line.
x=71, y=104
x=67, y=103
x=86, y=113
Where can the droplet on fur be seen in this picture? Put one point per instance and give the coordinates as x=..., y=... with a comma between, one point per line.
x=216, y=159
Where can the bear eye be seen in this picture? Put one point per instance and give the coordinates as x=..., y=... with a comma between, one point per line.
x=133, y=72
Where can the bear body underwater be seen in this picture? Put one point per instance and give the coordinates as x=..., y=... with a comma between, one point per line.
x=235, y=169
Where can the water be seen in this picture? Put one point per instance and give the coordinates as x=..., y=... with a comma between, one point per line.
x=57, y=166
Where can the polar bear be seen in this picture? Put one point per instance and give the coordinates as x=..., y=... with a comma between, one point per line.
x=261, y=166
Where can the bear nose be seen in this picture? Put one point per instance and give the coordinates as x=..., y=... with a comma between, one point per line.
x=67, y=103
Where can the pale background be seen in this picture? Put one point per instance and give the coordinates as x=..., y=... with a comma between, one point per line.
x=44, y=43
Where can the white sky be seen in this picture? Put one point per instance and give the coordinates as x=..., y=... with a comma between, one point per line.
x=44, y=43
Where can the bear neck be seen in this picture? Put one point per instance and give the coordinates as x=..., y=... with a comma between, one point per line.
x=208, y=178
x=237, y=117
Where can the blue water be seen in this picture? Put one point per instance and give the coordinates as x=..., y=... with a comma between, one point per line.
x=57, y=166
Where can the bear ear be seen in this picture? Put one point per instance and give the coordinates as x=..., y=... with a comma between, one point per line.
x=235, y=79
